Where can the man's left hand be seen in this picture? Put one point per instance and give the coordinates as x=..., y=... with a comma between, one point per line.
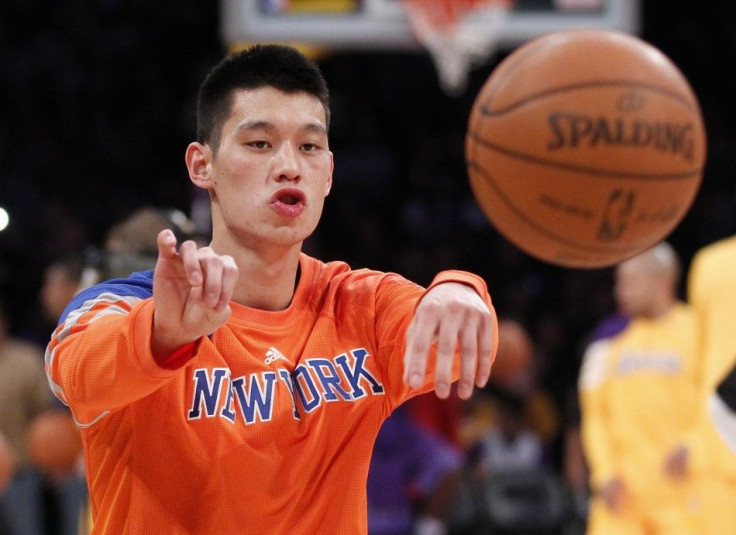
x=453, y=315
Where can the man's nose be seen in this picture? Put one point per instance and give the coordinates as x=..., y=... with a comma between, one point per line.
x=287, y=163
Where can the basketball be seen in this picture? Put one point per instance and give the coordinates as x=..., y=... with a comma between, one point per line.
x=585, y=147
x=54, y=442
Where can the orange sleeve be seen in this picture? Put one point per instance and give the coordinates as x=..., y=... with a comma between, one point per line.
x=463, y=277
x=395, y=305
x=99, y=358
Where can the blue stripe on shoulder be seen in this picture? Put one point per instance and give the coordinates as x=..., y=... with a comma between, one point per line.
x=138, y=284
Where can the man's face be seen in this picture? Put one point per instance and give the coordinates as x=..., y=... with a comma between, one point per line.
x=272, y=169
x=634, y=286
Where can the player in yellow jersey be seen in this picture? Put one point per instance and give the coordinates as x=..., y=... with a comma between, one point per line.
x=709, y=453
x=239, y=387
x=637, y=392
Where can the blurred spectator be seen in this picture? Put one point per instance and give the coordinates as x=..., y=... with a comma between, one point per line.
x=636, y=397
x=7, y=463
x=501, y=451
x=508, y=443
x=61, y=279
x=438, y=416
x=55, y=447
x=52, y=439
x=7, y=468
x=24, y=393
x=504, y=432
x=513, y=368
x=61, y=282
x=130, y=245
x=517, y=372
x=408, y=463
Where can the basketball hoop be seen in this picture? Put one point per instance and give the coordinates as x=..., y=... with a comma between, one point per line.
x=443, y=28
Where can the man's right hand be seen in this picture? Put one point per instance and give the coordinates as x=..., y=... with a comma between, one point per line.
x=677, y=462
x=613, y=493
x=192, y=288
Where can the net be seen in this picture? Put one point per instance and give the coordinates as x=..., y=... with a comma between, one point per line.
x=456, y=46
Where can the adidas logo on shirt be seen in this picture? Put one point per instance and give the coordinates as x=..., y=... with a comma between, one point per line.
x=272, y=355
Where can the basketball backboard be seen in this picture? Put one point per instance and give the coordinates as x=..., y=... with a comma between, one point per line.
x=382, y=24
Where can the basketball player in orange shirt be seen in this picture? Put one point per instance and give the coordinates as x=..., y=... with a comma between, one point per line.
x=239, y=387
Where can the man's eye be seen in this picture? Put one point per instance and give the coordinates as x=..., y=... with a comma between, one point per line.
x=309, y=147
x=259, y=144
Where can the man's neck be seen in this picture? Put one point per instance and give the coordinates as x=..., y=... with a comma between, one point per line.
x=660, y=307
x=266, y=281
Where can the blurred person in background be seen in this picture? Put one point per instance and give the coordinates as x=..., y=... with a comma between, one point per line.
x=7, y=468
x=708, y=453
x=637, y=389
x=130, y=244
x=24, y=393
x=501, y=433
x=61, y=281
x=504, y=424
x=7, y=463
x=408, y=463
x=53, y=441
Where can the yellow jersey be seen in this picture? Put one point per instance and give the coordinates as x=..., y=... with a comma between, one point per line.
x=637, y=396
x=712, y=293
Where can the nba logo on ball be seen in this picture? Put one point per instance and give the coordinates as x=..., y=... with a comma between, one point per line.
x=585, y=147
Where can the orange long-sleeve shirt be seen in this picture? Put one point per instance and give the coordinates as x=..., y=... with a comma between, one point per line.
x=270, y=426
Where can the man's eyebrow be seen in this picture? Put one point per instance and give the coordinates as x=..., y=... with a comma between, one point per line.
x=258, y=124
x=317, y=128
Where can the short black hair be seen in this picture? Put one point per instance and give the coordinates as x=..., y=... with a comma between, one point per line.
x=264, y=65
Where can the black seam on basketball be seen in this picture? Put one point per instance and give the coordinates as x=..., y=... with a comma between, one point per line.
x=543, y=230
x=586, y=170
x=574, y=87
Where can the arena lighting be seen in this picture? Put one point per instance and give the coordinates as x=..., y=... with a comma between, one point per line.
x=4, y=219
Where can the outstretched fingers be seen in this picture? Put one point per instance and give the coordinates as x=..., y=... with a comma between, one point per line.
x=454, y=317
x=229, y=278
x=189, y=255
x=166, y=242
x=192, y=290
x=485, y=349
x=447, y=343
x=468, y=360
x=419, y=339
x=212, y=277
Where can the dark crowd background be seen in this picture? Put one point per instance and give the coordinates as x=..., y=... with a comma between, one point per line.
x=97, y=106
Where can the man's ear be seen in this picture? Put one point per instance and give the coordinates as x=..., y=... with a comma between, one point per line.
x=198, y=158
x=328, y=186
